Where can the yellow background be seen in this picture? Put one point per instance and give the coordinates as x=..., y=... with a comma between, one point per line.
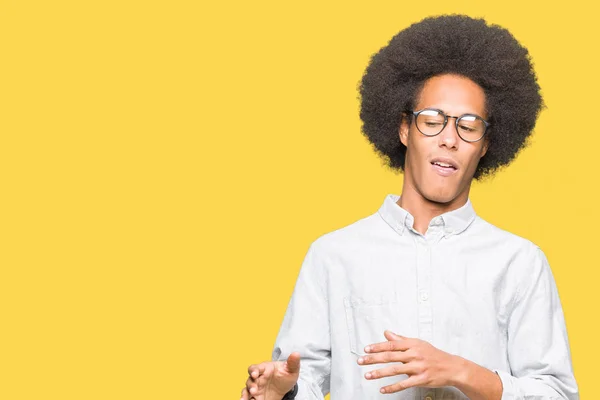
x=165, y=165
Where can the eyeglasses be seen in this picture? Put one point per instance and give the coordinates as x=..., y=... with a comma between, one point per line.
x=431, y=121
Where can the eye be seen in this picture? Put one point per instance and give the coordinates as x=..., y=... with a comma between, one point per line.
x=467, y=128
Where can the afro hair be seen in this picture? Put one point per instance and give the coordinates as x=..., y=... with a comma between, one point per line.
x=456, y=44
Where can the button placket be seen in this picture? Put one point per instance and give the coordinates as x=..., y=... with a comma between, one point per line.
x=425, y=314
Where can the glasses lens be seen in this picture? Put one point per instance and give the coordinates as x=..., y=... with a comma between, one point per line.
x=430, y=122
x=471, y=127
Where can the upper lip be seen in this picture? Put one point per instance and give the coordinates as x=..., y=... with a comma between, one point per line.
x=445, y=160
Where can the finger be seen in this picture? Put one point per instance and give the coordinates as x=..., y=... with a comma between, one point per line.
x=252, y=368
x=395, y=345
x=250, y=383
x=257, y=387
x=413, y=381
x=253, y=390
x=292, y=364
x=261, y=368
x=251, y=386
x=261, y=382
x=389, y=335
x=245, y=394
x=384, y=357
x=256, y=370
x=392, y=370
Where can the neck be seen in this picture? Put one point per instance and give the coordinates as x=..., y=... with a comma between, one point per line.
x=424, y=210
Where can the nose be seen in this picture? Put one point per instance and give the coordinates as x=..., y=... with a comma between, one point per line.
x=449, y=135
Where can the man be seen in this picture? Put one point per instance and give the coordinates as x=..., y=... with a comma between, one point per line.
x=424, y=299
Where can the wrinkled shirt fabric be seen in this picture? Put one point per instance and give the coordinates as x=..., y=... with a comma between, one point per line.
x=465, y=286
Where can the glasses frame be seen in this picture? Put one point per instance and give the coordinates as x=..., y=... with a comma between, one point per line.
x=456, y=119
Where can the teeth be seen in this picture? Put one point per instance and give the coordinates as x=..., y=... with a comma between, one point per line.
x=441, y=164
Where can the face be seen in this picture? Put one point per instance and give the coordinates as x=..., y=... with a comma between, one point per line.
x=425, y=170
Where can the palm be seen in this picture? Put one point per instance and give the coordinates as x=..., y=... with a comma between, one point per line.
x=271, y=380
x=280, y=382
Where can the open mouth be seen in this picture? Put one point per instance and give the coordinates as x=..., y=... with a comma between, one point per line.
x=444, y=168
x=443, y=165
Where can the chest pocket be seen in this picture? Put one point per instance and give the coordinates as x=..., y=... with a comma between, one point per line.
x=368, y=317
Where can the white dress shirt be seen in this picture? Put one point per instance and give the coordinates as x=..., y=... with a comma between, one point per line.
x=466, y=286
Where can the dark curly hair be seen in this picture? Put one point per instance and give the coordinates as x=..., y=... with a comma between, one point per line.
x=487, y=54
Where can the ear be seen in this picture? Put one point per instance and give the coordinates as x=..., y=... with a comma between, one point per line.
x=403, y=130
x=484, y=149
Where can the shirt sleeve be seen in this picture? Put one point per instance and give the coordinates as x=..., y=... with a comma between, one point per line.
x=538, y=346
x=305, y=329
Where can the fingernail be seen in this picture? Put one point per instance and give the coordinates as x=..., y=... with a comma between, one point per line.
x=367, y=349
x=361, y=360
x=368, y=375
x=382, y=390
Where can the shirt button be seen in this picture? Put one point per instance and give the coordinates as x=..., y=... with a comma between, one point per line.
x=424, y=296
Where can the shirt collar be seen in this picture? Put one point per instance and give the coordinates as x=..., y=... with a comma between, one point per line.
x=399, y=219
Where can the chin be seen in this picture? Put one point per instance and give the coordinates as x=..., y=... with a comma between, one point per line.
x=440, y=196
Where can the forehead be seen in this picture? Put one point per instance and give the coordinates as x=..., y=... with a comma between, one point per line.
x=454, y=94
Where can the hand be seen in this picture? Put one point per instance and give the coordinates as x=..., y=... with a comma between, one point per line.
x=271, y=380
x=425, y=365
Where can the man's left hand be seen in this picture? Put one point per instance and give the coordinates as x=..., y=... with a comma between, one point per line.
x=425, y=365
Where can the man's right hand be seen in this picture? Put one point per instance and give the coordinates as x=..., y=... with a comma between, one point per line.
x=271, y=380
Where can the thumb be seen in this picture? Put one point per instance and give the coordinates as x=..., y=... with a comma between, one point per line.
x=389, y=335
x=293, y=363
